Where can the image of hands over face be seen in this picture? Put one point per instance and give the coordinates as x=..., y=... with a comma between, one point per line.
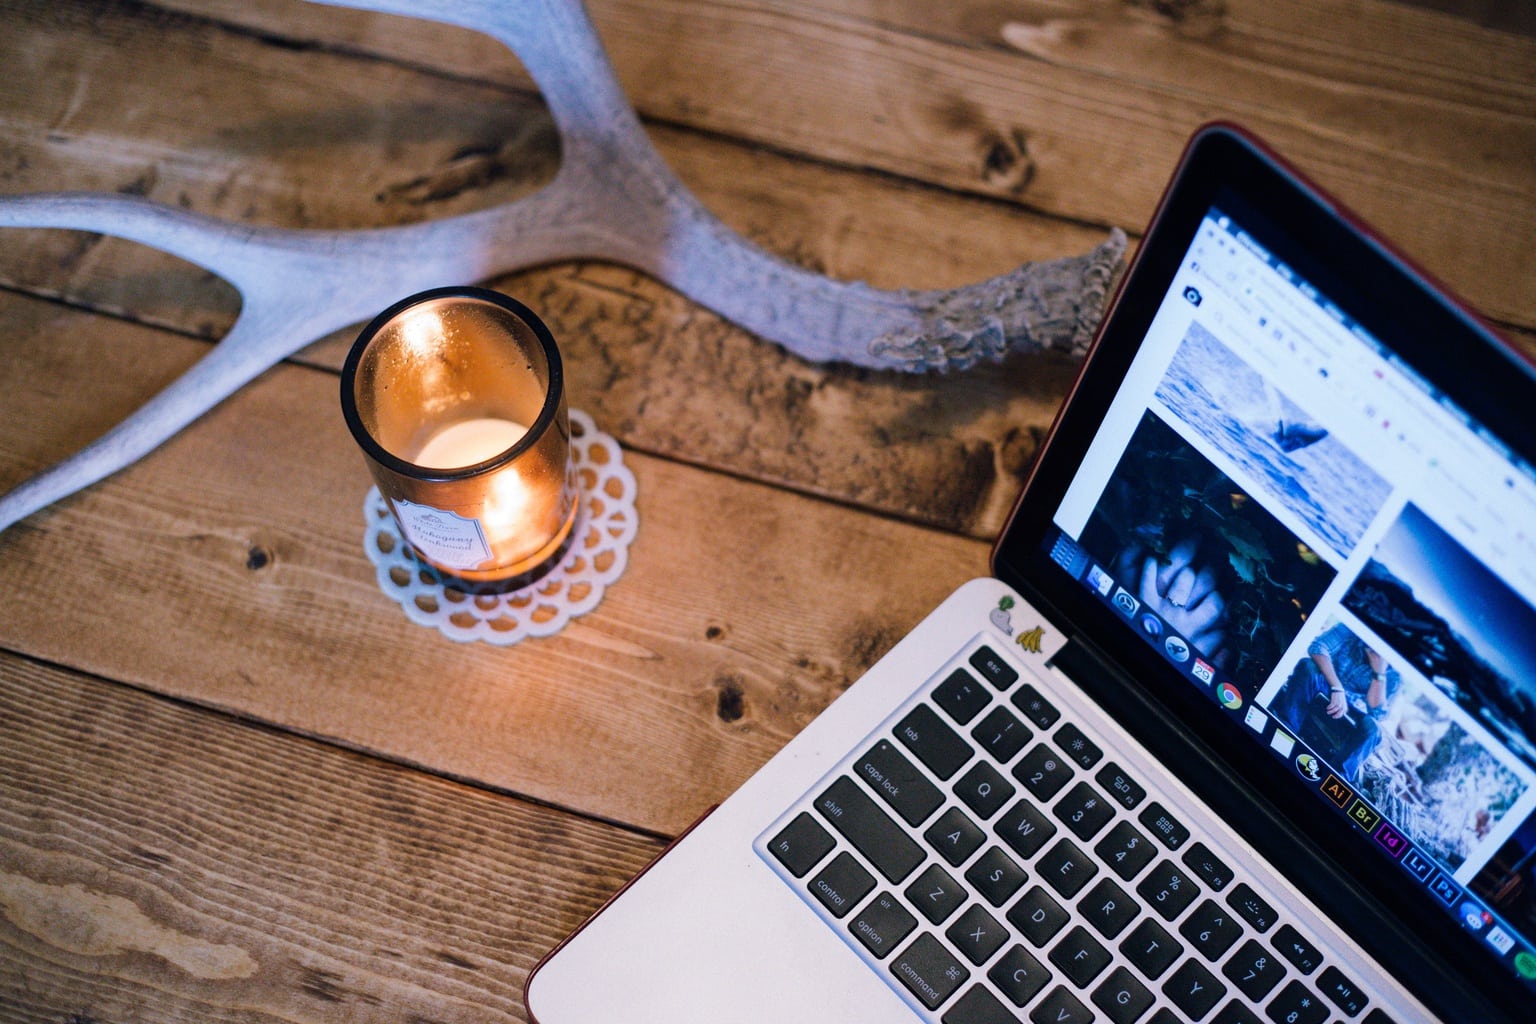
x=1182, y=590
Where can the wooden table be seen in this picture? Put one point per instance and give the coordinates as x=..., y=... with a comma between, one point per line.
x=235, y=783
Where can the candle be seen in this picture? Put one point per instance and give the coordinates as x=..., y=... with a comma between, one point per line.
x=469, y=442
x=456, y=397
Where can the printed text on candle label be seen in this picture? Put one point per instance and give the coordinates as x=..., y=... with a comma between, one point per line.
x=446, y=538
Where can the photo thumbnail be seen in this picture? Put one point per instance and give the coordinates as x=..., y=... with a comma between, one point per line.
x=1199, y=552
x=1398, y=741
x=1457, y=623
x=1229, y=404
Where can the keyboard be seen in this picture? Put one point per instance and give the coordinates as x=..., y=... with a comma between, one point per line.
x=986, y=856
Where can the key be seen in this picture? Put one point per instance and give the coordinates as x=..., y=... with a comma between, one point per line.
x=1108, y=908
x=1019, y=976
x=1164, y=826
x=1120, y=787
x=1036, y=708
x=842, y=884
x=1235, y=1013
x=1043, y=772
x=1251, y=907
x=898, y=783
x=1122, y=997
x=1254, y=970
x=1066, y=869
x=934, y=743
x=1084, y=811
x=1207, y=867
x=961, y=696
x=929, y=971
x=1342, y=992
x=1078, y=748
x=1125, y=850
x=1151, y=948
x=976, y=934
x=993, y=668
x=1024, y=829
x=1211, y=930
x=1193, y=989
x=1080, y=957
x=1296, y=1004
x=801, y=844
x=955, y=836
x=935, y=894
x=1001, y=734
x=978, y=1006
x=1037, y=917
x=882, y=924
x=1060, y=1007
x=1295, y=948
x=995, y=876
x=871, y=831
x=1168, y=890
x=984, y=790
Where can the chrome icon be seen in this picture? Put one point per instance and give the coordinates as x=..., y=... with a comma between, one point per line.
x=1229, y=696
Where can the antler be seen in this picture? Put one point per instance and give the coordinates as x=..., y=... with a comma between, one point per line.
x=613, y=199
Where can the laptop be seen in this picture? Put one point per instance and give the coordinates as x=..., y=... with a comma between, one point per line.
x=1243, y=728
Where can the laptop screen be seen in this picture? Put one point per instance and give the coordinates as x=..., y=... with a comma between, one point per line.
x=1281, y=508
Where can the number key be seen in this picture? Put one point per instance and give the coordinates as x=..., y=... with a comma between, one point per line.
x=1043, y=772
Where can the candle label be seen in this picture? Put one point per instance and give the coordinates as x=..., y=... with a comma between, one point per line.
x=446, y=538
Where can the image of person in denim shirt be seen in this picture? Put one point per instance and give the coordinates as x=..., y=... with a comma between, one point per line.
x=1336, y=698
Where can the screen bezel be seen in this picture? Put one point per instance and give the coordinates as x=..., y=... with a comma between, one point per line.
x=1440, y=339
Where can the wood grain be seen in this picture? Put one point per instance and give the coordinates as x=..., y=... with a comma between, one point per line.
x=160, y=863
x=1085, y=112
x=228, y=569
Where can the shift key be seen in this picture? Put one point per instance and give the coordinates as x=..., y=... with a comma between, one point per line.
x=871, y=831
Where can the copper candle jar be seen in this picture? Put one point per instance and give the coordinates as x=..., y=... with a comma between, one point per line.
x=457, y=398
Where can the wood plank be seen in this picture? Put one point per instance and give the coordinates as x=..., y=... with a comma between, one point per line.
x=1425, y=123
x=965, y=438
x=161, y=863
x=228, y=569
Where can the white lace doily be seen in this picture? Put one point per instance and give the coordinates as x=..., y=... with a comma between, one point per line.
x=605, y=524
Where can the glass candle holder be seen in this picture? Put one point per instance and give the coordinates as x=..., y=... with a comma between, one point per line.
x=457, y=398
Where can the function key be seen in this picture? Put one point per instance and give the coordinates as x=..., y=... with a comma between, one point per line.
x=993, y=668
x=898, y=783
x=961, y=696
x=1120, y=786
x=1342, y=992
x=934, y=743
x=1292, y=945
x=801, y=844
x=841, y=884
x=1036, y=708
x=1043, y=772
x=1168, y=829
x=1001, y=734
x=1077, y=747
x=1251, y=907
x=1208, y=867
